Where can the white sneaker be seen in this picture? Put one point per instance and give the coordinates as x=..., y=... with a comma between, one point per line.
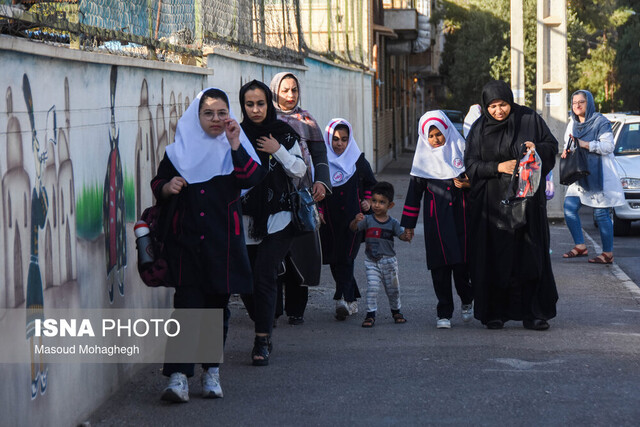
x=211, y=383
x=178, y=388
x=467, y=312
x=353, y=307
x=342, y=309
x=443, y=324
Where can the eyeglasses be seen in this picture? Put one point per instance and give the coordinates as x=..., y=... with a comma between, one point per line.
x=211, y=115
x=578, y=102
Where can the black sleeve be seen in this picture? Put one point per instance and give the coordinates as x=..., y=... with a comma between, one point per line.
x=411, y=210
x=366, y=179
x=166, y=171
x=476, y=168
x=318, y=151
x=247, y=171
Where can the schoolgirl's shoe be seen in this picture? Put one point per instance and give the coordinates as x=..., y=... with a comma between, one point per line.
x=178, y=389
x=211, y=388
x=342, y=309
x=353, y=307
x=443, y=323
x=467, y=312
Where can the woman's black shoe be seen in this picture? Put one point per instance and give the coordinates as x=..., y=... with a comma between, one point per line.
x=495, y=324
x=296, y=320
x=536, y=324
x=261, y=348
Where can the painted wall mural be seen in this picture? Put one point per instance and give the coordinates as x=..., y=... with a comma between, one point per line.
x=80, y=148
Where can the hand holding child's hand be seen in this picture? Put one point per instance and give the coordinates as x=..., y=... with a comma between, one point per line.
x=365, y=205
x=462, y=182
x=407, y=236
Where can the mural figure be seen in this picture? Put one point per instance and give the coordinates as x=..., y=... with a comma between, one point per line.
x=16, y=199
x=113, y=206
x=145, y=152
x=67, y=198
x=39, y=207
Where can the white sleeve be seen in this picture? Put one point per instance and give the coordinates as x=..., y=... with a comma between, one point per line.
x=291, y=160
x=567, y=132
x=604, y=145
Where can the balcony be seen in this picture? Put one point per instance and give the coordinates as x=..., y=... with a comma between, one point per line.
x=403, y=22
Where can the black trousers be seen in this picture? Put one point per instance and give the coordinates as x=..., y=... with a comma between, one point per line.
x=265, y=260
x=346, y=286
x=442, y=286
x=194, y=297
x=295, y=295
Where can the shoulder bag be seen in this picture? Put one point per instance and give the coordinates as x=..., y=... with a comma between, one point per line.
x=575, y=165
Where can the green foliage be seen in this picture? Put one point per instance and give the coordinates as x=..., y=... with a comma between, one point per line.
x=89, y=212
x=89, y=208
x=129, y=197
x=603, y=46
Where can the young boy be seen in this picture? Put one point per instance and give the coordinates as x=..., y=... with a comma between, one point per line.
x=380, y=257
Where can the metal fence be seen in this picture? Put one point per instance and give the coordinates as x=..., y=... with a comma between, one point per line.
x=179, y=30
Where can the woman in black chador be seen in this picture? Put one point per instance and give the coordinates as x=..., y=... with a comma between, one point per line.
x=510, y=269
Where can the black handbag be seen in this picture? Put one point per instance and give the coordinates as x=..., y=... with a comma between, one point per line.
x=304, y=212
x=513, y=209
x=575, y=165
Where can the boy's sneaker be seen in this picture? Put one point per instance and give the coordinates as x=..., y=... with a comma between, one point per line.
x=178, y=389
x=211, y=384
x=443, y=323
x=342, y=309
x=467, y=312
x=353, y=307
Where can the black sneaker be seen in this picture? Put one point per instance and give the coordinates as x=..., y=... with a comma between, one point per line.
x=296, y=320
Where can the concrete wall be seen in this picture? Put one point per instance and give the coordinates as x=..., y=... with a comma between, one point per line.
x=79, y=89
x=66, y=116
x=327, y=90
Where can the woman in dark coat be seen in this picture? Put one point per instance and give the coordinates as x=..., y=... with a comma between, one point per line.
x=267, y=207
x=199, y=181
x=304, y=261
x=510, y=269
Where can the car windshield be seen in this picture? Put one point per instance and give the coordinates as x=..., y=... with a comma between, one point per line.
x=455, y=116
x=628, y=140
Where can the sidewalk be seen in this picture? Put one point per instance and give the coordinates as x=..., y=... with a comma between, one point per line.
x=584, y=370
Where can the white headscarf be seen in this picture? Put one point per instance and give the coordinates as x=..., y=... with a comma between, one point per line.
x=443, y=162
x=475, y=111
x=197, y=156
x=343, y=166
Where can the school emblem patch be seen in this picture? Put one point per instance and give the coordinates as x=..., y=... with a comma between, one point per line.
x=457, y=162
x=338, y=176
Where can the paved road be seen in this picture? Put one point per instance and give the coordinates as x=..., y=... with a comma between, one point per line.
x=584, y=371
x=626, y=249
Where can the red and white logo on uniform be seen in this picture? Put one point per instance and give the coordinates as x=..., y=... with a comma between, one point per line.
x=338, y=176
x=457, y=162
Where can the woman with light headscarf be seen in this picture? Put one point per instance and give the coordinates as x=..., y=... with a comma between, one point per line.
x=202, y=174
x=601, y=189
x=438, y=174
x=303, y=264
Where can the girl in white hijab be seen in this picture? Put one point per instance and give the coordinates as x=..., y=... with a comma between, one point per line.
x=199, y=183
x=352, y=180
x=438, y=175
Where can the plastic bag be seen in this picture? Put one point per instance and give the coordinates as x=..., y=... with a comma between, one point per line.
x=529, y=171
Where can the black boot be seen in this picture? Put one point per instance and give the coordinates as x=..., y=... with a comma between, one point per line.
x=261, y=348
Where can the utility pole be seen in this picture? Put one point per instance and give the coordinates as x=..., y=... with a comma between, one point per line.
x=517, y=51
x=552, y=80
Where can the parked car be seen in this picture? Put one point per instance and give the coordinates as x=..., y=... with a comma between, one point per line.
x=626, y=133
x=457, y=118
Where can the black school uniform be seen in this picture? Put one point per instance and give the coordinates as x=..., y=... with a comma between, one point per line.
x=446, y=238
x=340, y=245
x=206, y=246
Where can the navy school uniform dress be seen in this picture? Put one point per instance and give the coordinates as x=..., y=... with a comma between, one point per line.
x=340, y=245
x=445, y=217
x=205, y=247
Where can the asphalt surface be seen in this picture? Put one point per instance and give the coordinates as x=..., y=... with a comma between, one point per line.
x=585, y=370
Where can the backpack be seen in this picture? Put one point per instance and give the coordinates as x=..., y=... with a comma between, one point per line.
x=157, y=273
